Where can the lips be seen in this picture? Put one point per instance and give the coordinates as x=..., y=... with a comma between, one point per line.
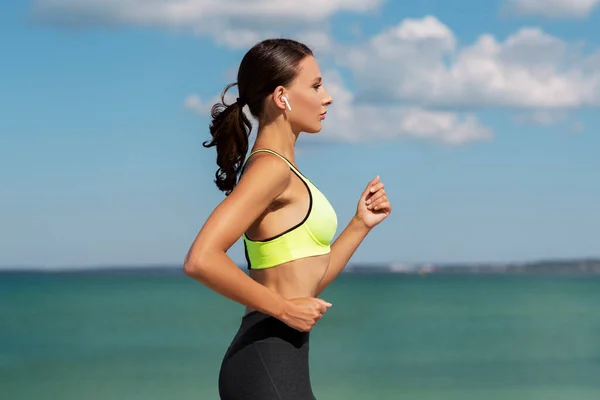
x=322, y=115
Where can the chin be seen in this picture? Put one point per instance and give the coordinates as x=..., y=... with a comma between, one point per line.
x=313, y=129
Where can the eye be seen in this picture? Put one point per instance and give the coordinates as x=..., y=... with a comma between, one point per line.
x=317, y=86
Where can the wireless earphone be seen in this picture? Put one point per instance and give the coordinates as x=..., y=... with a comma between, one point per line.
x=285, y=100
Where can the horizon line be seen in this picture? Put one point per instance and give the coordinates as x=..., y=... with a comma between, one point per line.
x=174, y=266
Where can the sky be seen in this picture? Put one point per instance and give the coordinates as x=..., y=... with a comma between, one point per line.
x=480, y=119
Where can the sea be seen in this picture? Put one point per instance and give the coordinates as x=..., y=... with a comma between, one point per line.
x=155, y=335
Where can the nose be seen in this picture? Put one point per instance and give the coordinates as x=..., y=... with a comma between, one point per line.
x=327, y=99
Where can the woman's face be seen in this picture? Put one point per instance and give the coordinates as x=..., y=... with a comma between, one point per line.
x=307, y=98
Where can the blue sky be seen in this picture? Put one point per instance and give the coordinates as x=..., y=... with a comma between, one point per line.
x=480, y=119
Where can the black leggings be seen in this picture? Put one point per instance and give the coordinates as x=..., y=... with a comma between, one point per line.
x=267, y=360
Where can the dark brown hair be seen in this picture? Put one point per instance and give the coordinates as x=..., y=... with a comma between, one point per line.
x=270, y=63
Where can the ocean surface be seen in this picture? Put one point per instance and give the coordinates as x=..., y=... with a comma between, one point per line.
x=161, y=336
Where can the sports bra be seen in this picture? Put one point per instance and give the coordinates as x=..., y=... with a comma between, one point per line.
x=310, y=237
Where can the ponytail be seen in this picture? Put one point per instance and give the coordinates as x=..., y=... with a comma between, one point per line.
x=229, y=129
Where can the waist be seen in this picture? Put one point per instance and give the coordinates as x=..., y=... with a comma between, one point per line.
x=257, y=326
x=298, y=278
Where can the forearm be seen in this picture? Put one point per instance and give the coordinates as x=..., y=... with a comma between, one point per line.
x=342, y=250
x=218, y=272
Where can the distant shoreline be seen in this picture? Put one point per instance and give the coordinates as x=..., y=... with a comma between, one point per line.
x=581, y=266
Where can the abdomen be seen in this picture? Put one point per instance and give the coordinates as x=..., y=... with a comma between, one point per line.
x=298, y=278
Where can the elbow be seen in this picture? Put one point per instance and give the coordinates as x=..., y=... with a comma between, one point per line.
x=194, y=266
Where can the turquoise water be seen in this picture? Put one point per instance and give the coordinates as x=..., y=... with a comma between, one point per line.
x=133, y=336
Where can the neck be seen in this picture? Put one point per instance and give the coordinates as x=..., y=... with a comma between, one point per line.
x=277, y=136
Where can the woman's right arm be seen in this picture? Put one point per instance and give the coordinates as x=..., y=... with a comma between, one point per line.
x=263, y=181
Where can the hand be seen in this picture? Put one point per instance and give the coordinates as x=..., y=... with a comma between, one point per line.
x=303, y=313
x=374, y=205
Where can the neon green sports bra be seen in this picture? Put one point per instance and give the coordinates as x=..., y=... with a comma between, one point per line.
x=311, y=237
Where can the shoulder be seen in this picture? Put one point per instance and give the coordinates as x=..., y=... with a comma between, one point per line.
x=266, y=172
x=264, y=180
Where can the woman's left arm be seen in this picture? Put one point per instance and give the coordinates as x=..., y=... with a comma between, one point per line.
x=373, y=207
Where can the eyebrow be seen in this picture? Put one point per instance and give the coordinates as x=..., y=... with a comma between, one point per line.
x=318, y=79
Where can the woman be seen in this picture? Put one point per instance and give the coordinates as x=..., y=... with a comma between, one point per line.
x=286, y=223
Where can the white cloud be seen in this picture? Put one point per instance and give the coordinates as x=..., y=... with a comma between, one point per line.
x=233, y=23
x=420, y=62
x=552, y=8
x=349, y=121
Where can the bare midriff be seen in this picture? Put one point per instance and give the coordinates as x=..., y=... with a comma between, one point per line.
x=298, y=278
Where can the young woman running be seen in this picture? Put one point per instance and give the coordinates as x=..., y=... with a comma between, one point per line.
x=286, y=223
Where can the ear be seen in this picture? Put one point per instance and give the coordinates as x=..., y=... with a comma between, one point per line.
x=276, y=97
